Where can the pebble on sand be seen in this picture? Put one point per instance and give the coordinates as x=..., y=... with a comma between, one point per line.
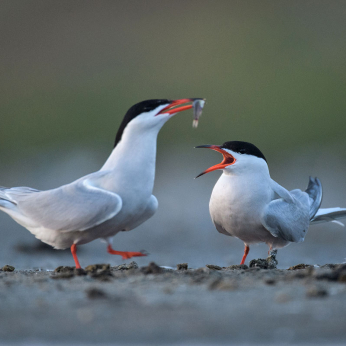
x=8, y=268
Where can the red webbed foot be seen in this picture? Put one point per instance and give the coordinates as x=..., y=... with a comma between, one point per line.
x=125, y=254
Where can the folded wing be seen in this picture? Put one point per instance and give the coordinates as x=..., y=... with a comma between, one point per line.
x=288, y=216
x=77, y=206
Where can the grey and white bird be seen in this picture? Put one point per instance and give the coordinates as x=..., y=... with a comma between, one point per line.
x=248, y=204
x=116, y=198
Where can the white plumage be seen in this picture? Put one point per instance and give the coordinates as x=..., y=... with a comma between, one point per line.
x=116, y=198
x=246, y=203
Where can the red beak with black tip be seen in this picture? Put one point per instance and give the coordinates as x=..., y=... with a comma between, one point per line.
x=228, y=159
x=172, y=107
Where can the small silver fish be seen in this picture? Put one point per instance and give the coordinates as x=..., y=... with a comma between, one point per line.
x=197, y=111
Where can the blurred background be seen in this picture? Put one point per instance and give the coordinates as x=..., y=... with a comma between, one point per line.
x=273, y=73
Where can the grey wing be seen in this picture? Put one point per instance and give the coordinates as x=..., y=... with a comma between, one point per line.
x=77, y=206
x=288, y=220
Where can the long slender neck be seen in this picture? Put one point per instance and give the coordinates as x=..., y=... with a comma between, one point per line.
x=133, y=160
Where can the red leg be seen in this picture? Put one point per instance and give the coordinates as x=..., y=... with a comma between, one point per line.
x=246, y=252
x=74, y=254
x=124, y=254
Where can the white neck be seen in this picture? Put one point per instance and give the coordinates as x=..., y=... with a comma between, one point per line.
x=133, y=159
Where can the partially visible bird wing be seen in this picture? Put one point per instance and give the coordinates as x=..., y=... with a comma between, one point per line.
x=288, y=217
x=74, y=207
x=329, y=214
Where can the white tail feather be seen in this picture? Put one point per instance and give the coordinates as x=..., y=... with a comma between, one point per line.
x=339, y=223
x=330, y=215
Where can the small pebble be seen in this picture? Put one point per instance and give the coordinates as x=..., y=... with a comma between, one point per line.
x=268, y=263
x=259, y=263
x=64, y=269
x=214, y=284
x=223, y=285
x=182, y=266
x=237, y=267
x=94, y=267
x=62, y=276
x=79, y=272
x=131, y=265
x=213, y=267
x=316, y=292
x=95, y=293
x=152, y=268
x=270, y=281
x=328, y=275
x=8, y=268
x=300, y=266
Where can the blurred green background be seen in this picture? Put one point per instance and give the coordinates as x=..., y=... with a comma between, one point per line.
x=273, y=73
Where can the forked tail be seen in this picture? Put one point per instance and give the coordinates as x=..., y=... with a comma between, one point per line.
x=317, y=214
x=329, y=215
x=314, y=190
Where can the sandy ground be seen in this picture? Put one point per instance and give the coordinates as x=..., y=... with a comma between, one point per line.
x=191, y=307
x=150, y=305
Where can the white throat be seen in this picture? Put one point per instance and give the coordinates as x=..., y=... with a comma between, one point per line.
x=133, y=160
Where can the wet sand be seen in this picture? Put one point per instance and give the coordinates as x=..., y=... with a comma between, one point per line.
x=153, y=305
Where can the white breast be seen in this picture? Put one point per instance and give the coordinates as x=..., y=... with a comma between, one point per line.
x=237, y=203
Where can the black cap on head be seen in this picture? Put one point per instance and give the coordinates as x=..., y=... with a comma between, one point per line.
x=138, y=108
x=243, y=148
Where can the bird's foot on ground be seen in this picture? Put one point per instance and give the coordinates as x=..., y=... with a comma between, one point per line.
x=126, y=254
x=269, y=263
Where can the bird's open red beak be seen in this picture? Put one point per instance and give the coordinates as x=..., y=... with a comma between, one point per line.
x=228, y=159
x=172, y=107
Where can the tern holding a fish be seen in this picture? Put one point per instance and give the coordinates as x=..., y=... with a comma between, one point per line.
x=248, y=204
x=116, y=198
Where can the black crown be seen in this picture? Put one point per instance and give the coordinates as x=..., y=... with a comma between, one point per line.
x=243, y=148
x=138, y=108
